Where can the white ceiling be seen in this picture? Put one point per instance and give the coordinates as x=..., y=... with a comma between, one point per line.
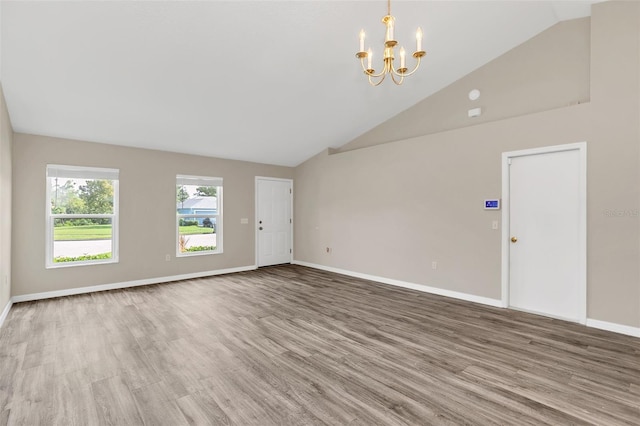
x=267, y=81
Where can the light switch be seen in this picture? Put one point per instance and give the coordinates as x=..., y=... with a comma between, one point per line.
x=244, y=221
x=494, y=224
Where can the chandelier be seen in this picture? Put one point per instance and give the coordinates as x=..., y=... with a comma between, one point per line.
x=397, y=75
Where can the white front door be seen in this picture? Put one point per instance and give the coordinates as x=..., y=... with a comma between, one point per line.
x=274, y=221
x=546, y=238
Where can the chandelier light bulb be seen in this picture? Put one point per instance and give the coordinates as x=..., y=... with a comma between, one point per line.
x=403, y=55
x=418, y=39
x=361, y=41
x=369, y=55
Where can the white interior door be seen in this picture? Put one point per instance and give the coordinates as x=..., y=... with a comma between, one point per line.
x=274, y=221
x=546, y=236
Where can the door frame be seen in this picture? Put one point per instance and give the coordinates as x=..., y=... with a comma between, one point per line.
x=581, y=147
x=255, y=220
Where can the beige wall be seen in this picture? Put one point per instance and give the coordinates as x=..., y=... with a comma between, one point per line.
x=391, y=209
x=6, y=135
x=614, y=171
x=147, y=212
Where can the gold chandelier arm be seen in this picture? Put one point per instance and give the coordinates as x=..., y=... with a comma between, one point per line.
x=363, y=67
x=400, y=80
x=407, y=74
x=370, y=73
x=382, y=76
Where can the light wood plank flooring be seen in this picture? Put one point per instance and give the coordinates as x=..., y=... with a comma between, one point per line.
x=295, y=346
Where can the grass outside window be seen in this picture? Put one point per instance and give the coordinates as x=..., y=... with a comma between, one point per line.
x=191, y=230
x=82, y=233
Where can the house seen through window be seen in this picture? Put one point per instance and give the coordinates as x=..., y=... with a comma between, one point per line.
x=82, y=215
x=198, y=215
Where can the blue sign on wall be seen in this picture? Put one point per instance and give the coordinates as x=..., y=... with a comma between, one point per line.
x=492, y=204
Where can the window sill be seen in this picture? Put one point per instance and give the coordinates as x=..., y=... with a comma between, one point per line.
x=86, y=263
x=197, y=253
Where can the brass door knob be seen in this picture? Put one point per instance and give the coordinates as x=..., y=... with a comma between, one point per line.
x=514, y=239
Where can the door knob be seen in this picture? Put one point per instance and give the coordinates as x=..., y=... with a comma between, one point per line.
x=514, y=239
x=260, y=228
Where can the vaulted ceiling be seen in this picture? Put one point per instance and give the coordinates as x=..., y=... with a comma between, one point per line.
x=266, y=81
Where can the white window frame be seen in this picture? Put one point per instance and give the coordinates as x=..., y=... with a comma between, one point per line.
x=88, y=173
x=201, y=181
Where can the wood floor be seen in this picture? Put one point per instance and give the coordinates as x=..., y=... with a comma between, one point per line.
x=295, y=346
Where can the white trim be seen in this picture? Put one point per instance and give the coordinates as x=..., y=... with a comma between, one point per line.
x=81, y=172
x=5, y=312
x=582, y=278
x=616, y=328
x=190, y=180
x=543, y=314
x=127, y=284
x=404, y=284
x=505, y=232
x=255, y=220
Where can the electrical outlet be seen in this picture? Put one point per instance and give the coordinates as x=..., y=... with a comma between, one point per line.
x=434, y=265
x=167, y=257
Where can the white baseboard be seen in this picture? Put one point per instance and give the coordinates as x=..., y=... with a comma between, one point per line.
x=5, y=312
x=419, y=287
x=582, y=321
x=616, y=328
x=126, y=284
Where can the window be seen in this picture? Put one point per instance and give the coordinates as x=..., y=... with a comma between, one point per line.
x=199, y=215
x=82, y=215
